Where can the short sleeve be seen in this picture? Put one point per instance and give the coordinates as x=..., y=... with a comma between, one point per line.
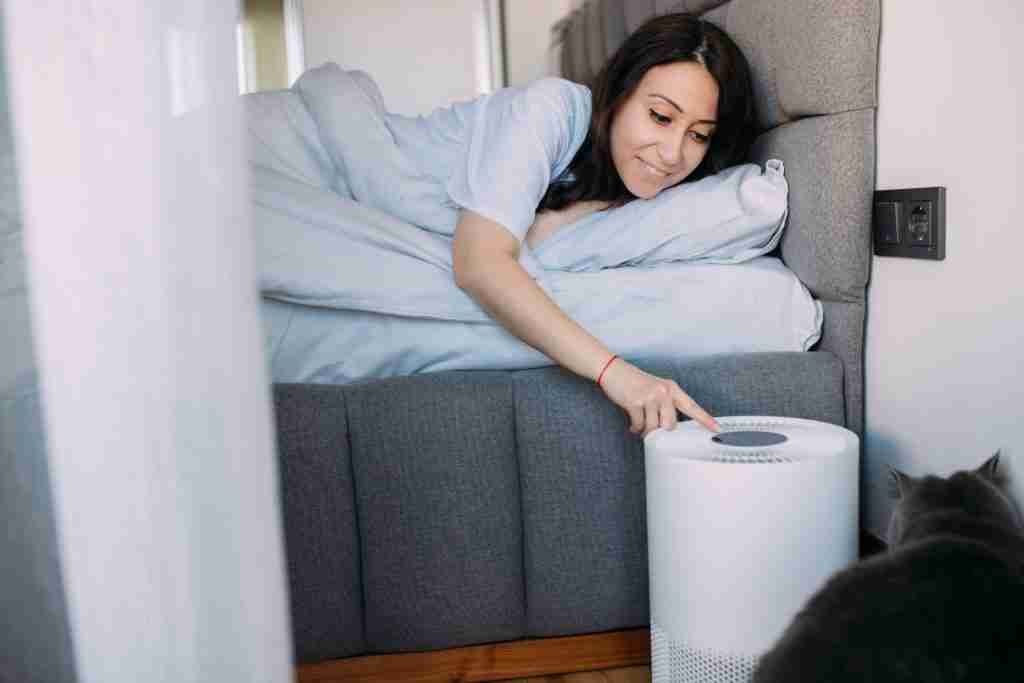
x=518, y=140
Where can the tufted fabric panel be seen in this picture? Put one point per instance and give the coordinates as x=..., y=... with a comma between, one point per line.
x=843, y=335
x=561, y=32
x=613, y=16
x=437, y=501
x=692, y=6
x=831, y=174
x=637, y=12
x=578, y=45
x=718, y=15
x=810, y=57
x=321, y=534
x=593, y=26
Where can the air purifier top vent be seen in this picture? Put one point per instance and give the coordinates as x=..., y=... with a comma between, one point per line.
x=756, y=457
x=757, y=423
x=750, y=440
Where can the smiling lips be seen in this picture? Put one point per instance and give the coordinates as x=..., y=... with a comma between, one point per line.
x=654, y=170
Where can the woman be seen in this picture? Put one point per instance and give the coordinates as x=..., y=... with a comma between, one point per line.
x=673, y=103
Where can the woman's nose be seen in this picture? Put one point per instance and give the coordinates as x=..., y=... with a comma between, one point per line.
x=670, y=149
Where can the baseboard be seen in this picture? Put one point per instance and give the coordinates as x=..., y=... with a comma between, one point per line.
x=493, y=662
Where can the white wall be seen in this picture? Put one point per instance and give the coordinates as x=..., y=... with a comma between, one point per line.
x=945, y=384
x=528, y=50
x=422, y=54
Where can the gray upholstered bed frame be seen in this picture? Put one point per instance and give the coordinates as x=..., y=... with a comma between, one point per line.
x=441, y=510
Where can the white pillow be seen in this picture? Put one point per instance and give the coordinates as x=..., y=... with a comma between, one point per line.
x=730, y=217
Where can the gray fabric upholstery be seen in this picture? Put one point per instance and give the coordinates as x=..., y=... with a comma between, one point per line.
x=809, y=57
x=487, y=506
x=827, y=56
x=806, y=385
x=843, y=335
x=613, y=19
x=578, y=47
x=438, y=508
x=693, y=6
x=593, y=27
x=637, y=12
x=582, y=480
x=717, y=16
x=321, y=539
x=830, y=163
x=561, y=32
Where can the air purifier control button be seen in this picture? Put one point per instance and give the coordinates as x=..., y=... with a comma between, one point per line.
x=749, y=439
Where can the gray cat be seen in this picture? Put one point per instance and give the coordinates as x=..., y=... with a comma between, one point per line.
x=944, y=604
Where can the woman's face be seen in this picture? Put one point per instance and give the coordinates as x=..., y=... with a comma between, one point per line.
x=662, y=131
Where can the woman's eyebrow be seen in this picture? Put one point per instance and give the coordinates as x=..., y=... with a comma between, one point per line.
x=654, y=94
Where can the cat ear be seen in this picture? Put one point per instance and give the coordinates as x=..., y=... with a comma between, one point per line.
x=899, y=483
x=987, y=470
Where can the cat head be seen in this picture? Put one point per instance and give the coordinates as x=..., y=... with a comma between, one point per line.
x=980, y=493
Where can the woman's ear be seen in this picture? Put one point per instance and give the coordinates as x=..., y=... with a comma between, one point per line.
x=899, y=483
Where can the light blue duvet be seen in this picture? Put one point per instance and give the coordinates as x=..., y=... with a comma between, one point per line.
x=354, y=210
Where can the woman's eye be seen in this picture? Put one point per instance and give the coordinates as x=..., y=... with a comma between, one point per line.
x=700, y=137
x=659, y=119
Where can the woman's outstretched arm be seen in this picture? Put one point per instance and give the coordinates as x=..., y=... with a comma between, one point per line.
x=485, y=260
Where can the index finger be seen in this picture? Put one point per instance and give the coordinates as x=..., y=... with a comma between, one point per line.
x=689, y=407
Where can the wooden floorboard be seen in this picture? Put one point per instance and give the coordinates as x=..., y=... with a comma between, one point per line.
x=532, y=659
x=629, y=674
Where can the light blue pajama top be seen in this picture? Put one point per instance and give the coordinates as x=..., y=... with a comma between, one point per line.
x=497, y=154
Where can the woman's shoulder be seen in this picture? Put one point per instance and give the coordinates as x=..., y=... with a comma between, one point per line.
x=557, y=84
x=558, y=91
x=551, y=102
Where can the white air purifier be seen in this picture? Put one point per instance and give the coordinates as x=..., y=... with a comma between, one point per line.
x=742, y=528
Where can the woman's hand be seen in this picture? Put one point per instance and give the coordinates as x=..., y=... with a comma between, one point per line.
x=650, y=401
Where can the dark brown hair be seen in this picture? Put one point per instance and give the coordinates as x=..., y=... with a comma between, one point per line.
x=664, y=39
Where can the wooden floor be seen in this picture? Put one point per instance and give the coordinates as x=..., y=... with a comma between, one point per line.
x=630, y=674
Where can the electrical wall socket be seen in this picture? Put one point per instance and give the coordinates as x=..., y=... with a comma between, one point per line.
x=910, y=223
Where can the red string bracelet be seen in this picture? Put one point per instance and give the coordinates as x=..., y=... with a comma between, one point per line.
x=614, y=356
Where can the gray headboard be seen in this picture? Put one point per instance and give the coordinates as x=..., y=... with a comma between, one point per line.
x=815, y=68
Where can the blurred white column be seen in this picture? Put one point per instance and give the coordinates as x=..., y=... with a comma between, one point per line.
x=145, y=314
